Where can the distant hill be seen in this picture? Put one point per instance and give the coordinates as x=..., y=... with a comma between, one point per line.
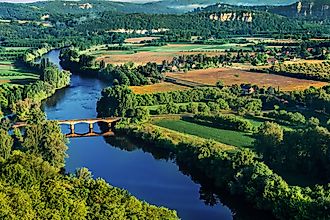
x=303, y=9
x=187, y=5
x=309, y=9
x=84, y=6
x=33, y=11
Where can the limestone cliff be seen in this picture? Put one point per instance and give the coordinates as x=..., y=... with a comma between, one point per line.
x=316, y=9
x=232, y=16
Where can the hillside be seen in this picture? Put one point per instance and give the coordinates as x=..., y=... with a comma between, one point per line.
x=313, y=9
x=34, y=11
x=187, y=5
x=304, y=9
x=19, y=11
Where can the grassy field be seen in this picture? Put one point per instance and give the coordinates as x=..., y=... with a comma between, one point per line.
x=141, y=54
x=16, y=48
x=232, y=76
x=9, y=73
x=139, y=39
x=235, y=138
x=159, y=87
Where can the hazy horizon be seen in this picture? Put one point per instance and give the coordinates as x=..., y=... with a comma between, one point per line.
x=29, y=1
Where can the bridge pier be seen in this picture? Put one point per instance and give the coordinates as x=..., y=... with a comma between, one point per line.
x=91, y=127
x=111, y=122
x=72, y=128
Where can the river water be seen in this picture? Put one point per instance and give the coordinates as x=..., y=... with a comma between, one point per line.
x=157, y=181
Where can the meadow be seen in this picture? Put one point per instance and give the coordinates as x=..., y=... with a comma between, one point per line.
x=234, y=138
x=142, y=54
x=15, y=74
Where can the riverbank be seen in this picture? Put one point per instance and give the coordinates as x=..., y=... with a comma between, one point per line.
x=237, y=170
x=149, y=177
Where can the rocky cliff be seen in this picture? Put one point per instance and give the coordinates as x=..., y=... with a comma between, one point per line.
x=232, y=16
x=315, y=9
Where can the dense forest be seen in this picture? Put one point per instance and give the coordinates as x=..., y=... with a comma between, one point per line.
x=33, y=184
x=68, y=29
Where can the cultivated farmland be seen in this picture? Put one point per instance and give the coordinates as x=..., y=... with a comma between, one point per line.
x=159, y=87
x=232, y=76
x=235, y=138
x=142, y=54
x=15, y=74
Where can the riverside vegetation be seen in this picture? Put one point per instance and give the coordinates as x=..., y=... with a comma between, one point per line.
x=241, y=171
x=33, y=182
x=281, y=135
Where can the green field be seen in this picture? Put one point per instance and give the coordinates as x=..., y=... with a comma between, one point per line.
x=235, y=138
x=16, y=48
x=173, y=47
x=15, y=74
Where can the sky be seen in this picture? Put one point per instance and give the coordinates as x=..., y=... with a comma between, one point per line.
x=27, y=1
x=17, y=1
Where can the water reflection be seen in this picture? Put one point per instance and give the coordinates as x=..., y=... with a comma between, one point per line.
x=149, y=173
x=208, y=193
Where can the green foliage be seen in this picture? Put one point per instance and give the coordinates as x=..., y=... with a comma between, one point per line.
x=28, y=111
x=294, y=118
x=231, y=122
x=46, y=139
x=31, y=188
x=302, y=151
x=242, y=173
x=141, y=115
x=6, y=144
x=220, y=84
x=117, y=101
x=317, y=71
x=268, y=138
x=313, y=98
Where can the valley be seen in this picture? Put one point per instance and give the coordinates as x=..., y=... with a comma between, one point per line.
x=165, y=110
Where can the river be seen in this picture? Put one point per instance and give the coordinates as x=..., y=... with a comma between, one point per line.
x=157, y=181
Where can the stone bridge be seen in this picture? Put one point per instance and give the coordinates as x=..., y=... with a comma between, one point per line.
x=90, y=121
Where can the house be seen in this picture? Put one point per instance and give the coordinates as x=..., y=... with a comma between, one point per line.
x=247, y=89
x=272, y=61
x=174, y=69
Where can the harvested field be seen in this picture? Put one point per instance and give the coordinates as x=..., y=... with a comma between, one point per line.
x=145, y=57
x=142, y=54
x=159, y=87
x=3, y=81
x=233, y=76
x=299, y=61
x=139, y=39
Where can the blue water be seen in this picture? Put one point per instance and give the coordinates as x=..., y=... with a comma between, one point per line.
x=156, y=181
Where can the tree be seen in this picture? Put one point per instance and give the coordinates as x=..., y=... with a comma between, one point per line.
x=116, y=101
x=46, y=139
x=102, y=64
x=220, y=84
x=6, y=144
x=86, y=60
x=313, y=122
x=83, y=173
x=268, y=139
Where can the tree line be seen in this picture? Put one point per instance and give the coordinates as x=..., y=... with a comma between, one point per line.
x=241, y=173
x=33, y=183
x=51, y=79
x=315, y=71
